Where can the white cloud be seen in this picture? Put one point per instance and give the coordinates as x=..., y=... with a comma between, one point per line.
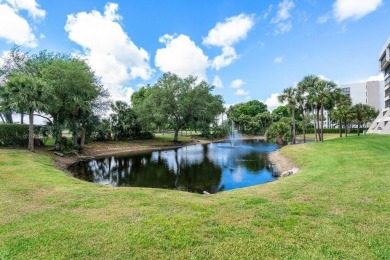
x=272, y=102
x=241, y=92
x=229, y=32
x=31, y=6
x=217, y=82
x=108, y=49
x=267, y=12
x=344, y=9
x=20, y=32
x=225, y=35
x=379, y=77
x=323, y=19
x=278, y=59
x=237, y=83
x=323, y=77
x=226, y=58
x=281, y=20
x=181, y=56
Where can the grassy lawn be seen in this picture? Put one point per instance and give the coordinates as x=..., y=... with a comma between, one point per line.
x=336, y=207
x=169, y=137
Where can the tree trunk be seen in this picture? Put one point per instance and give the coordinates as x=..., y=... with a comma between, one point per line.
x=22, y=118
x=293, y=119
x=304, y=126
x=358, y=128
x=57, y=132
x=322, y=123
x=318, y=124
x=31, y=132
x=2, y=118
x=315, y=123
x=8, y=118
x=82, y=137
x=341, y=133
x=346, y=128
x=175, y=138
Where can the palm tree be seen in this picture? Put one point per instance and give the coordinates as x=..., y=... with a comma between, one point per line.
x=363, y=113
x=289, y=95
x=23, y=92
x=324, y=91
x=343, y=107
x=305, y=86
x=309, y=86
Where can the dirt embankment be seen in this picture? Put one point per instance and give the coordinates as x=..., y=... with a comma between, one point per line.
x=281, y=163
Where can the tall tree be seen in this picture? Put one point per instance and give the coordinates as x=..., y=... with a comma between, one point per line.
x=180, y=102
x=342, y=110
x=14, y=60
x=362, y=113
x=25, y=93
x=289, y=95
x=306, y=87
x=242, y=113
x=75, y=92
x=125, y=125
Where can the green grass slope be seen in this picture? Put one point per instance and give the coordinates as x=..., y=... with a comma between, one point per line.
x=336, y=207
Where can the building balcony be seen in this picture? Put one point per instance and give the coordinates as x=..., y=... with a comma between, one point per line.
x=384, y=63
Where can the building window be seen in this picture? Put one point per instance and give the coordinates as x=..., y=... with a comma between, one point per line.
x=387, y=81
x=387, y=71
x=387, y=92
x=387, y=103
x=346, y=91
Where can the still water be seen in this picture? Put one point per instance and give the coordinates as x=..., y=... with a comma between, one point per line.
x=196, y=168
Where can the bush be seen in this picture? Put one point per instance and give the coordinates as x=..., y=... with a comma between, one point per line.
x=13, y=135
x=67, y=145
x=221, y=131
x=278, y=132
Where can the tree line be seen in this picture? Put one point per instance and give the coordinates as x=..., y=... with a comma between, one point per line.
x=309, y=100
x=64, y=91
x=58, y=87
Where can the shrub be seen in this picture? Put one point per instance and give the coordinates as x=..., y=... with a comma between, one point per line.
x=278, y=132
x=67, y=145
x=13, y=135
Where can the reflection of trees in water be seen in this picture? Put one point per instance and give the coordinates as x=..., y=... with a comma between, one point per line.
x=254, y=161
x=196, y=168
x=151, y=170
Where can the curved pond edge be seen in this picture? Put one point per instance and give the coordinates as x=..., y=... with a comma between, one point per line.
x=283, y=167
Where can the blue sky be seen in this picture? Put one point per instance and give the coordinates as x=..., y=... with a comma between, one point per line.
x=248, y=49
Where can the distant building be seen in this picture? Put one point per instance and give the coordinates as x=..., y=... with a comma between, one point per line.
x=381, y=125
x=370, y=93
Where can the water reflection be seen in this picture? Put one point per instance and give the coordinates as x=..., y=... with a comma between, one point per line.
x=196, y=168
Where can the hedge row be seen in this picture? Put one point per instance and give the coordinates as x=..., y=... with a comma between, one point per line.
x=334, y=130
x=13, y=135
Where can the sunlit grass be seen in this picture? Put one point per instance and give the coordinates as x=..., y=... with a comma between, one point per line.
x=169, y=137
x=336, y=207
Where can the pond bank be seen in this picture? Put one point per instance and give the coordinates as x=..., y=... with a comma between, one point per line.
x=281, y=164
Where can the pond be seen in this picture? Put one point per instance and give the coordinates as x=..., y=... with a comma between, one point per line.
x=196, y=168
